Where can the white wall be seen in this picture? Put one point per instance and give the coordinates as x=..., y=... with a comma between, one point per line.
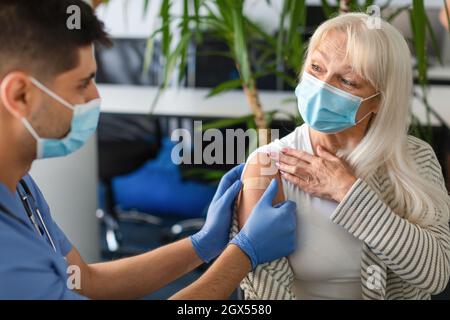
x=70, y=188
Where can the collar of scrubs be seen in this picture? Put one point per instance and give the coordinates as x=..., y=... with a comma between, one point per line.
x=11, y=201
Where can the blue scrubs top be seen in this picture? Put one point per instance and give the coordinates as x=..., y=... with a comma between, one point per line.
x=29, y=266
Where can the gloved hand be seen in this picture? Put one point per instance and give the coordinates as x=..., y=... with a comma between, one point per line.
x=210, y=241
x=270, y=232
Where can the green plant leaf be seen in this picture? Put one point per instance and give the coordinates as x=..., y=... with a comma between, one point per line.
x=148, y=55
x=253, y=27
x=166, y=34
x=174, y=56
x=279, y=57
x=434, y=43
x=239, y=44
x=327, y=9
x=184, y=32
x=226, y=9
x=224, y=87
x=294, y=45
x=207, y=175
x=146, y=4
x=418, y=21
x=237, y=83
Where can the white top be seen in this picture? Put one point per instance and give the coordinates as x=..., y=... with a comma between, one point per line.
x=327, y=263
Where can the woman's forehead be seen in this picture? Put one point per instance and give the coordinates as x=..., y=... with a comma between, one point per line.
x=337, y=61
x=332, y=47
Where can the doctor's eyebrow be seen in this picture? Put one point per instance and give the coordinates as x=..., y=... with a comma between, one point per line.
x=89, y=78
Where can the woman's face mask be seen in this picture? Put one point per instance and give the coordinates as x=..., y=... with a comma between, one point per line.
x=84, y=123
x=326, y=108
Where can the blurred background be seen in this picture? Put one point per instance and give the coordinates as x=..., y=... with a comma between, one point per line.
x=171, y=69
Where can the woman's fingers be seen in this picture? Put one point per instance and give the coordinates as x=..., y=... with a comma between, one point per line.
x=293, y=162
x=300, y=171
x=301, y=183
x=325, y=154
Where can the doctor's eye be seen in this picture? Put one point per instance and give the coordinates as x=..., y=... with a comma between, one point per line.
x=84, y=85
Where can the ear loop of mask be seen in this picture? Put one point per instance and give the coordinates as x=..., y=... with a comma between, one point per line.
x=257, y=183
x=35, y=136
x=30, y=129
x=362, y=100
x=362, y=119
x=372, y=96
x=51, y=93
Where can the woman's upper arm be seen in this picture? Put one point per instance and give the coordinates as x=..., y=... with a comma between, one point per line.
x=259, y=172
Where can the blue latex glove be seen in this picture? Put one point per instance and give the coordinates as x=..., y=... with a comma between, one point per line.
x=270, y=232
x=210, y=241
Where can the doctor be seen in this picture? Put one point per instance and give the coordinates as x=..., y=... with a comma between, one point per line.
x=49, y=107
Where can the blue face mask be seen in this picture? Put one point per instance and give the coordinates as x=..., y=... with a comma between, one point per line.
x=84, y=123
x=326, y=108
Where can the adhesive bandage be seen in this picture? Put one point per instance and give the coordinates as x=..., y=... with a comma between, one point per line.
x=256, y=183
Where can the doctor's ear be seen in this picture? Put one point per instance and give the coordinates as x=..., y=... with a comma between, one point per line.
x=18, y=94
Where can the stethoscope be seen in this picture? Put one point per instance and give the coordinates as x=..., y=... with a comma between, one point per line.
x=29, y=203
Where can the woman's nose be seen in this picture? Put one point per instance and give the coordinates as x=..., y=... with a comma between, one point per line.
x=329, y=78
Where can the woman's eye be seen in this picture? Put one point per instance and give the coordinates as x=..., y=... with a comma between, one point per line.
x=315, y=67
x=347, y=82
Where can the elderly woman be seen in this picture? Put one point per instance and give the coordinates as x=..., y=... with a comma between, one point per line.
x=373, y=210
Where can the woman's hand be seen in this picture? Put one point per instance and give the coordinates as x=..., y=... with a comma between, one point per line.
x=325, y=176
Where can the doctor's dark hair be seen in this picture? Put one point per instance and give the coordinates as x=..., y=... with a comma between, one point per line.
x=35, y=38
